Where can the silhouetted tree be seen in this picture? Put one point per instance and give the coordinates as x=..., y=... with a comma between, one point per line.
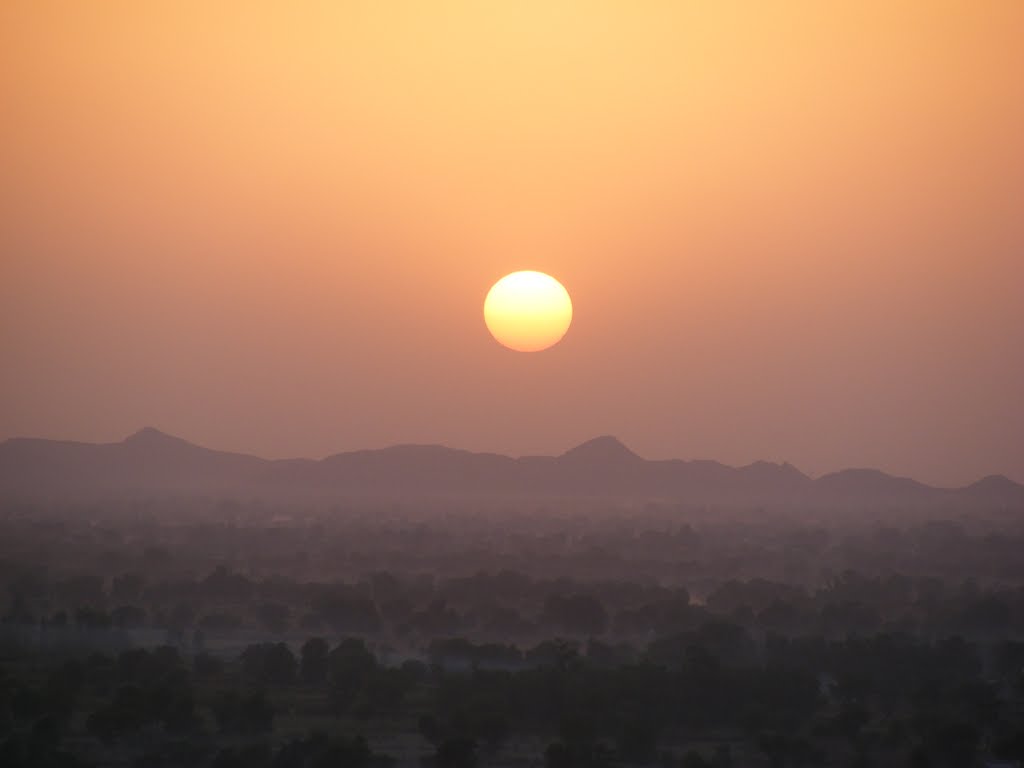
x=456, y=753
x=243, y=714
x=575, y=614
x=272, y=663
x=314, y=660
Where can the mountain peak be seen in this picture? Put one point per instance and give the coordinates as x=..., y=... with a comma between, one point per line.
x=603, y=448
x=869, y=481
x=996, y=484
x=152, y=437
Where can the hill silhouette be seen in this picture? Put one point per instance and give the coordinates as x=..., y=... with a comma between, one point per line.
x=151, y=462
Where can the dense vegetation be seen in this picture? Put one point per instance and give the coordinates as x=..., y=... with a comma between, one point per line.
x=243, y=636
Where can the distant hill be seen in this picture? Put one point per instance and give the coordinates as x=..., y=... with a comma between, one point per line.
x=151, y=462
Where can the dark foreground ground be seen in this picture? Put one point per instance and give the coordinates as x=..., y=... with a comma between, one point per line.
x=211, y=633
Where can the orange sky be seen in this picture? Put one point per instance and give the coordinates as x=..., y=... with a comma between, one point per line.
x=791, y=231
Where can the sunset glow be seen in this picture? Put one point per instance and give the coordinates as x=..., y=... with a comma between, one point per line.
x=735, y=191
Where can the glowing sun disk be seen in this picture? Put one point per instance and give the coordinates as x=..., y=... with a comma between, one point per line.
x=528, y=311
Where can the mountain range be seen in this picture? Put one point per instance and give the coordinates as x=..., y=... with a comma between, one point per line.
x=151, y=462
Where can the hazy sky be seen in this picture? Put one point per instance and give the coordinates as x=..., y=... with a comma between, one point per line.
x=791, y=231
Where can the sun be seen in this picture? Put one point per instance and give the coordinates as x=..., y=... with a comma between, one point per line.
x=528, y=311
